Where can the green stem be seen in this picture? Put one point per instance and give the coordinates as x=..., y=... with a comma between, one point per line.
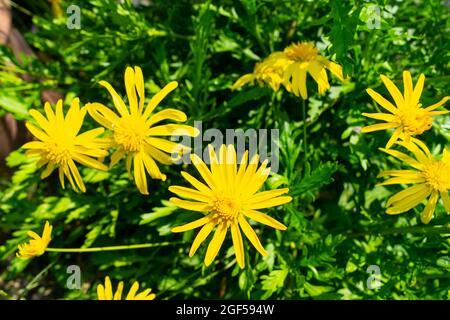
x=111, y=248
x=305, y=143
x=5, y=294
x=416, y=229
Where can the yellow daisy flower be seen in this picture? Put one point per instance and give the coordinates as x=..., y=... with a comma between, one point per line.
x=134, y=132
x=269, y=71
x=407, y=117
x=60, y=144
x=431, y=178
x=290, y=67
x=37, y=245
x=106, y=292
x=228, y=198
x=306, y=59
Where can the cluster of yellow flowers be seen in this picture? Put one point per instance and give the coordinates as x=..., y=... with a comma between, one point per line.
x=430, y=175
x=229, y=193
x=228, y=196
x=134, y=134
x=290, y=67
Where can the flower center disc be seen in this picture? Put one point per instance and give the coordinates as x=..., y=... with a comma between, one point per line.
x=438, y=175
x=302, y=52
x=415, y=121
x=225, y=208
x=58, y=152
x=130, y=134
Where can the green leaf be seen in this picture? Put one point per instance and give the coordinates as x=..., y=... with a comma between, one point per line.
x=274, y=281
x=313, y=180
x=18, y=109
x=158, y=212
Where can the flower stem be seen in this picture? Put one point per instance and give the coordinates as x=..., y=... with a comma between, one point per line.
x=111, y=248
x=305, y=143
x=415, y=229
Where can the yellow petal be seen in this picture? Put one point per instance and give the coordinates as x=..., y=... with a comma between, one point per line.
x=319, y=75
x=49, y=112
x=61, y=176
x=264, y=219
x=274, y=202
x=132, y=293
x=419, y=154
x=437, y=105
x=394, y=137
x=89, y=162
x=401, y=173
x=159, y=156
x=189, y=205
x=335, y=69
x=139, y=173
x=103, y=115
x=238, y=245
x=393, y=90
x=131, y=91
x=108, y=289
x=446, y=200
x=115, y=158
x=418, y=89
x=48, y=171
x=40, y=119
x=67, y=173
x=189, y=193
x=167, y=114
x=59, y=115
x=89, y=135
x=266, y=195
x=382, y=101
x=257, y=180
x=409, y=202
x=118, y=294
x=100, y=292
x=216, y=243
x=201, y=236
x=408, y=85
x=405, y=194
x=157, y=98
x=33, y=235
x=196, y=184
x=427, y=213
x=379, y=126
x=251, y=235
x=151, y=167
x=170, y=147
x=403, y=157
x=139, y=81
x=401, y=180
x=37, y=132
x=117, y=100
x=76, y=175
x=34, y=145
x=173, y=129
x=203, y=170
x=380, y=116
x=246, y=78
x=422, y=146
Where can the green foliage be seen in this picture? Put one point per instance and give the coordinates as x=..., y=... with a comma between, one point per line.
x=337, y=227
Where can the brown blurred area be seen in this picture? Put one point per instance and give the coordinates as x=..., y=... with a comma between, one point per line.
x=13, y=133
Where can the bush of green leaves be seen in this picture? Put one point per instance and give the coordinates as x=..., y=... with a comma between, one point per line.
x=337, y=227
